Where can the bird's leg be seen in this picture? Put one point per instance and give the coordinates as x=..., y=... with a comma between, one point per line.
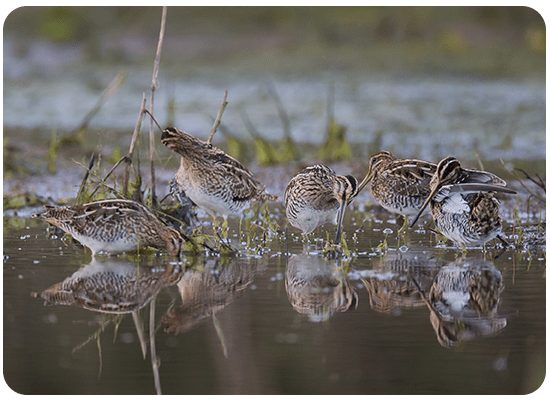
x=258, y=210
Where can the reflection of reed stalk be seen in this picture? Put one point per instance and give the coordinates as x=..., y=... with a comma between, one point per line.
x=155, y=361
x=128, y=158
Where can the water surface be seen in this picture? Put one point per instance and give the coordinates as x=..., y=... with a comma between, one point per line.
x=277, y=319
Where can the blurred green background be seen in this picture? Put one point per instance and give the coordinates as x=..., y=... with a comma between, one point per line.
x=411, y=40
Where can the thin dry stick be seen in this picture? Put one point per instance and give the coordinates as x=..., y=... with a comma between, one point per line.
x=520, y=181
x=218, y=119
x=128, y=158
x=109, y=174
x=102, y=181
x=85, y=179
x=540, y=183
x=108, y=92
x=154, y=85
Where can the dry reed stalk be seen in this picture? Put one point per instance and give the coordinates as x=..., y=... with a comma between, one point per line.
x=85, y=179
x=128, y=158
x=154, y=85
x=101, y=181
x=218, y=119
x=522, y=184
x=108, y=92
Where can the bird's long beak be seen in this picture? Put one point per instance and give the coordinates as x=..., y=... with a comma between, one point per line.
x=364, y=182
x=340, y=219
x=432, y=194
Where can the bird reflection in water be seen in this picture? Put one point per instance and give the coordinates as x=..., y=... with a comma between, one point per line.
x=112, y=286
x=463, y=301
x=390, y=286
x=116, y=287
x=207, y=288
x=318, y=287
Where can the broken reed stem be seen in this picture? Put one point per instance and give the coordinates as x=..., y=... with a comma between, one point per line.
x=521, y=182
x=108, y=92
x=154, y=85
x=218, y=119
x=102, y=181
x=85, y=179
x=128, y=158
x=540, y=183
x=108, y=174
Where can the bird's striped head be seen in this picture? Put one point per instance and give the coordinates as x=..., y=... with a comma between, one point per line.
x=377, y=163
x=448, y=172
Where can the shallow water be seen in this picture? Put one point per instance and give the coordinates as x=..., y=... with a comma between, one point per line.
x=277, y=320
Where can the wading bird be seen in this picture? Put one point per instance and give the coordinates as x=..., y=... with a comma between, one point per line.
x=113, y=226
x=467, y=213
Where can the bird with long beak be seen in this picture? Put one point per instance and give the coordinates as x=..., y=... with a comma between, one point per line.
x=210, y=178
x=463, y=204
x=317, y=195
x=399, y=185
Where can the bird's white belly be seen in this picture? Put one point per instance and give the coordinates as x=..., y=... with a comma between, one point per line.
x=308, y=219
x=215, y=205
x=114, y=246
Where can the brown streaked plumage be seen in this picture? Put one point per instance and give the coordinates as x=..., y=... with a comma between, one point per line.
x=114, y=226
x=467, y=213
x=211, y=179
x=317, y=195
x=400, y=186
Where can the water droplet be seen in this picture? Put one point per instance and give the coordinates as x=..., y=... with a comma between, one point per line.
x=127, y=338
x=500, y=364
x=50, y=319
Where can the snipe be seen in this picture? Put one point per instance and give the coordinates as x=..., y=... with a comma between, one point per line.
x=402, y=186
x=317, y=195
x=113, y=226
x=211, y=179
x=467, y=213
